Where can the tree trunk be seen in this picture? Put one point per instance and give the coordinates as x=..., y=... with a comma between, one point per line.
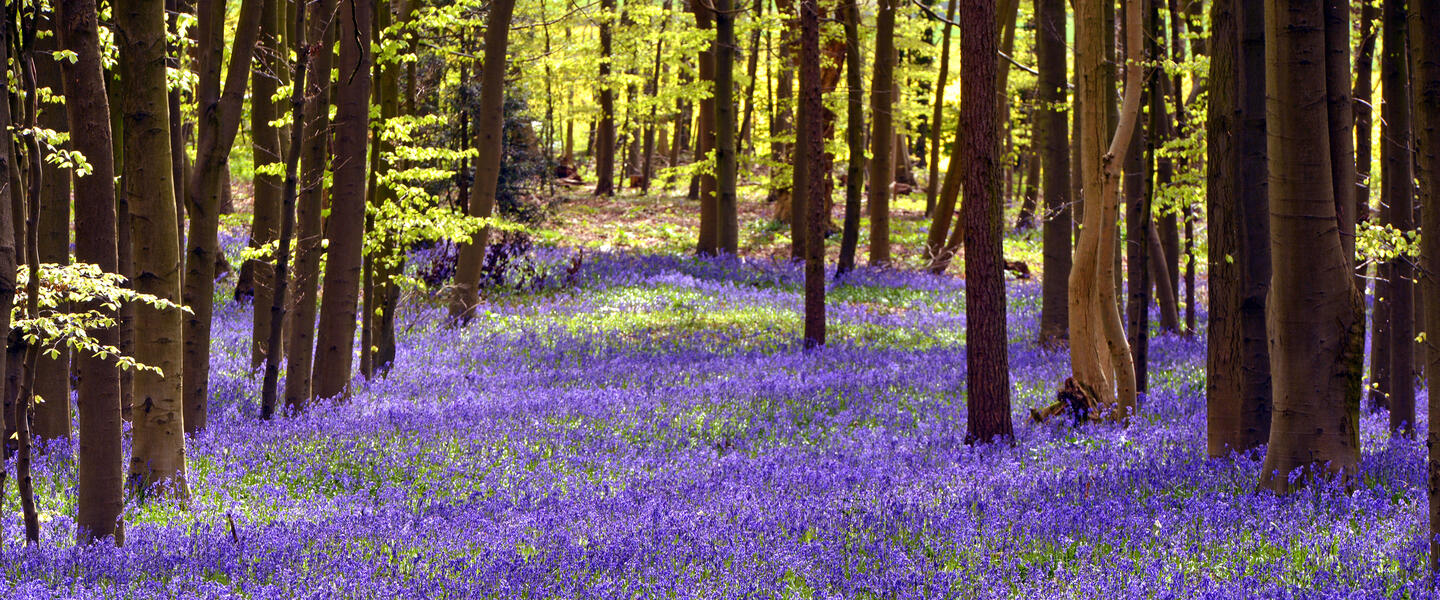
x=489, y=141
x=1138, y=220
x=335, y=339
x=100, y=480
x=882, y=164
x=727, y=222
x=780, y=126
x=298, y=126
x=220, y=113
x=1314, y=310
x=854, y=139
x=1426, y=17
x=932, y=183
x=987, y=379
x=709, y=242
x=1364, y=122
x=810, y=194
x=752, y=68
x=269, y=71
x=1099, y=353
x=300, y=340
x=52, y=377
x=1238, y=398
x=1399, y=200
x=1051, y=126
x=158, y=452
x=7, y=193
x=605, y=131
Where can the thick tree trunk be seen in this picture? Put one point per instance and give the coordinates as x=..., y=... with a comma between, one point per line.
x=1399, y=199
x=335, y=339
x=100, y=479
x=1052, y=129
x=489, y=140
x=1138, y=220
x=809, y=146
x=220, y=113
x=52, y=377
x=854, y=139
x=605, y=131
x=1238, y=403
x=987, y=379
x=882, y=122
x=1425, y=15
x=299, y=342
x=269, y=72
x=158, y=452
x=1314, y=310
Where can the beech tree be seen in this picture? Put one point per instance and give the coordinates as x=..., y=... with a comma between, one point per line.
x=335, y=341
x=1052, y=137
x=1237, y=388
x=1314, y=313
x=882, y=139
x=810, y=192
x=987, y=374
x=1099, y=353
x=488, y=142
x=605, y=131
x=158, y=452
x=1398, y=200
x=100, y=480
x=52, y=377
x=1425, y=15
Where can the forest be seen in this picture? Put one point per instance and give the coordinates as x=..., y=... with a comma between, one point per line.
x=716, y=299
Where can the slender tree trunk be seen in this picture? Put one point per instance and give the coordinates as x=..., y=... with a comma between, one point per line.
x=220, y=113
x=987, y=379
x=780, y=126
x=809, y=146
x=300, y=340
x=489, y=140
x=1138, y=220
x=335, y=340
x=854, y=139
x=709, y=242
x=605, y=131
x=1053, y=136
x=267, y=149
x=882, y=165
x=7, y=194
x=1314, y=309
x=932, y=183
x=158, y=452
x=24, y=397
x=1425, y=15
x=752, y=69
x=1364, y=121
x=52, y=377
x=1399, y=198
x=727, y=221
x=298, y=126
x=100, y=479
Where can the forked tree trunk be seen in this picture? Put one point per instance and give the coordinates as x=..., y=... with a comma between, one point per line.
x=987, y=379
x=100, y=478
x=158, y=452
x=1314, y=309
x=1099, y=353
x=1053, y=139
x=489, y=140
x=809, y=145
x=882, y=123
x=220, y=112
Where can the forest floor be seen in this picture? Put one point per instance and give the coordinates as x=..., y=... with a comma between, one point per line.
x=649, y=427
